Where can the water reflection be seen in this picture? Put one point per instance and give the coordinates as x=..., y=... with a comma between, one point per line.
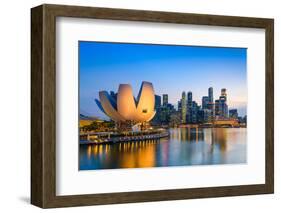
x=185, y=146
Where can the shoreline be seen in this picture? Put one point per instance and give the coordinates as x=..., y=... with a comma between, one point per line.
x=125, y=139
x=106, y=137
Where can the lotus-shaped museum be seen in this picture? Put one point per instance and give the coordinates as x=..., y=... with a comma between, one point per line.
x=125, y=107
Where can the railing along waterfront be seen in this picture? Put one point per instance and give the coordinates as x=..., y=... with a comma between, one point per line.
x=110, y=137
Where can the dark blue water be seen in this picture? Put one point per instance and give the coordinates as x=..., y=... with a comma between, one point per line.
x=184, y=147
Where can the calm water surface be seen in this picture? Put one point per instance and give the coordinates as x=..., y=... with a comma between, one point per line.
x=183, y=147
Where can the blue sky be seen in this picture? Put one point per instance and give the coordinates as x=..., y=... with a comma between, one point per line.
x=172, y=69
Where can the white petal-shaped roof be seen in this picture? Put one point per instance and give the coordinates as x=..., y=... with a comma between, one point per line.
x=146, y=102
x=127, y=108
x=108, y=108
x=126, y=105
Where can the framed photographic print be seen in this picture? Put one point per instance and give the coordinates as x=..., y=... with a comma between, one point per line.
x=136, y=106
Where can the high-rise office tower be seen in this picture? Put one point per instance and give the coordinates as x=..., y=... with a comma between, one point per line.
x=194, y=112
x=204, y=116
x=223, y=93
x=223, y=107
x=205, y=102
x=113, y=95
x=157, y=101
x=211, y=104
x=179, y=106
x=189, y=97
x=183, y=107
x=233, y=113
x=157, y=118
x=189, y=107
x=165, y=99
x=211, y=94
x=217, y=107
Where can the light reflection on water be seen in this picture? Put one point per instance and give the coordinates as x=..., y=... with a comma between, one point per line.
x=183, y=147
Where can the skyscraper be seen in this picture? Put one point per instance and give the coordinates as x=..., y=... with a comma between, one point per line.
x=211, y=95
x=179, y=106
x=157, y=102
x=204, y=116
x=183, y=107
x=189, y=107
x=205, y=102
x=113, y=95
x=211, y=105
x=223, y=93
x=217, y=107
x=233, y=113
x=223, y=97
x=194, y=112
x=157, y=118
x=221, y=105
x=165, y=99
x=189, y=97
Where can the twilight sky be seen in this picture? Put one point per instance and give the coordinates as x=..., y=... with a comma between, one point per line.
x=171, y=69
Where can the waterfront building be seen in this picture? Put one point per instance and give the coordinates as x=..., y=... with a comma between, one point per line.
x=163, y=112
x=205, y=102
x=223, y=93
x=189, y=107
x=179, y=106
x=200, y=116
x=175, y=119
x=217, y=111
x=166, y=112
x=211, y=105
x=156, y=120
x=165, y=99
x=192, y=109
x=164, y=115
x=128, y=109
x=242, y=120
x=204, y=116
x=211, y=94
x=170, y=107
x=194, y=112
x=183, y=108
x=189, y=98
x=113, y=95
x=157, y=102
x=221, y=107
x=233, y=113
x=208, y=116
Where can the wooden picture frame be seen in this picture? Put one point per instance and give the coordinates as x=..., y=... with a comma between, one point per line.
x=43, y=105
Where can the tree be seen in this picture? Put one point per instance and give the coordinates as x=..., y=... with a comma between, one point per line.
x=175, y=119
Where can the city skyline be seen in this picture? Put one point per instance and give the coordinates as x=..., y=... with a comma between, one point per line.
x=219, y=68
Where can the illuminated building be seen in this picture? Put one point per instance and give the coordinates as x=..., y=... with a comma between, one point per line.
x=183, y=107
x=127, y=107
x=165, y=99
x=221, y=107
x=233, y=113
x=157, y=102
x=189, y=107
x=210, y=94
x=211, y=105
x=205, y=102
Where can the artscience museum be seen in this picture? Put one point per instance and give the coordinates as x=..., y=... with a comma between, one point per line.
x=123, y=107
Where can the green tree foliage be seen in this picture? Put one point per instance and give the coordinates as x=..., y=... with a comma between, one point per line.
x=100, y=126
